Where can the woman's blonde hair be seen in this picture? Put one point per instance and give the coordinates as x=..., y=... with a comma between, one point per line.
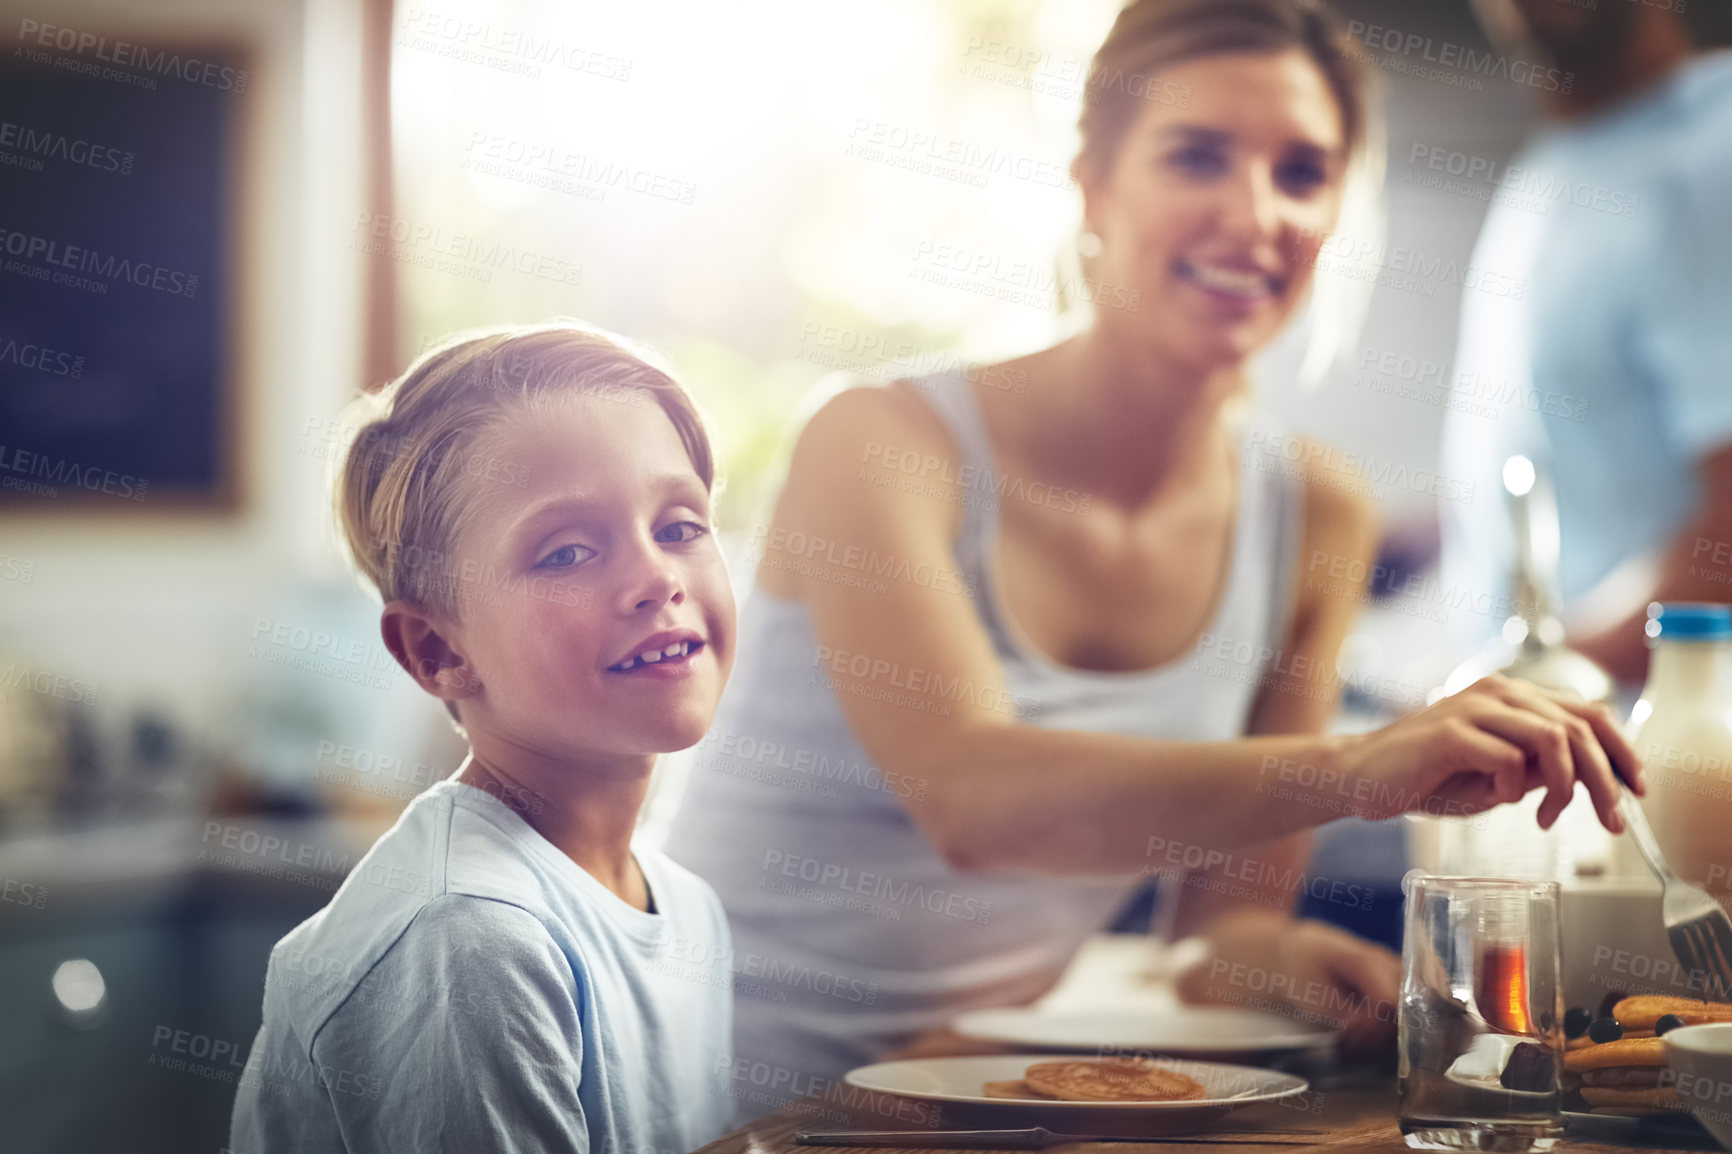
x=1150, y=35
x=403, y=492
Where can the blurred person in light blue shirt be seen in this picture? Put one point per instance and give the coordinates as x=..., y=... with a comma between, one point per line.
x=1614, y=365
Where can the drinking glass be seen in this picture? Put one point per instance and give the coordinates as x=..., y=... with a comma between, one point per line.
x=1481, y=1015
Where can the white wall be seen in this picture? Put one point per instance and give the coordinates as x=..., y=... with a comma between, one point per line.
x=157, y=607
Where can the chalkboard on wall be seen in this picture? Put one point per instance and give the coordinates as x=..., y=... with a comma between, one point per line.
x=120, y=179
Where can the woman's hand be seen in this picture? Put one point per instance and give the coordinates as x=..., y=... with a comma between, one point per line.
x=1490, y=744
x=1307, y=969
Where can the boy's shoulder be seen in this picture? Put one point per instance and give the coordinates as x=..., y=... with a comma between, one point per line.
x=452, y=877
x=460, y=876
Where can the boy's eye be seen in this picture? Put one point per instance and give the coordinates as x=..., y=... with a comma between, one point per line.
x=680, y=532
x=566, y=556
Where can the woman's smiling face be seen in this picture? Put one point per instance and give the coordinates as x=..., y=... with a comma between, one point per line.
x=1214, y=208
x=595, y=606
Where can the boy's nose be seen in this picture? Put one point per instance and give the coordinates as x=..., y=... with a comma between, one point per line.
x=673, y=597
x=654, y=581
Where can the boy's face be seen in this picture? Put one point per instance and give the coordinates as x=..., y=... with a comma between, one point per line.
x=591, y=544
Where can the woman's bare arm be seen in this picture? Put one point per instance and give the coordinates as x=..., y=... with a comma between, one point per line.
x=865, y=525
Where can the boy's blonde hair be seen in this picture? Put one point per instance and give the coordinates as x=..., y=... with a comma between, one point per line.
x=403, y=493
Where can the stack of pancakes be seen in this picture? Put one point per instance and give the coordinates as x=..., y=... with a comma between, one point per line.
x=1100, y=1080
x=1629, y=1076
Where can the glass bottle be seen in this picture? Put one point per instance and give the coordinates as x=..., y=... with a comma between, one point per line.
x=1682, y=730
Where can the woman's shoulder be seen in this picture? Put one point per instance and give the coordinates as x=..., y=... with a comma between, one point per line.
x=1329, y=486
x=1340, y=502
x=858, y=451
x=847, y=412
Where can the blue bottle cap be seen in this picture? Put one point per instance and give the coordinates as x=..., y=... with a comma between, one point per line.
x=1690, y=621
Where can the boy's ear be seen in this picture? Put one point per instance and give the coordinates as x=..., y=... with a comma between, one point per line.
x=415, y=640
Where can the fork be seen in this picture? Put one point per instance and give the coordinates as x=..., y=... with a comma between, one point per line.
x=1700, y=931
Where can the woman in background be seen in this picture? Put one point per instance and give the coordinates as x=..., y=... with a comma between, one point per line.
x=1083, y=640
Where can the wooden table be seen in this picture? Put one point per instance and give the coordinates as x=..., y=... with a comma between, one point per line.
x=1353, y=1117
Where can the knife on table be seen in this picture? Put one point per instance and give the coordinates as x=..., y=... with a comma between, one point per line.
x=1033, y=1138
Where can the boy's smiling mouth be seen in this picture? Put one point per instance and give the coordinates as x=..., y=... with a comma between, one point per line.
x=670, y=650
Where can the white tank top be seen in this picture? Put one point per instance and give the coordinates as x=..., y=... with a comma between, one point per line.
x=851, y=933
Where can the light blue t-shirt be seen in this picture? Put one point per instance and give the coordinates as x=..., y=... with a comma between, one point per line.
x=471, y=988
x=1616, y=363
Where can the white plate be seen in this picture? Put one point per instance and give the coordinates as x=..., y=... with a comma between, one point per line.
x=960, y=1081
x=1481, y=1067
x=1206, y=1030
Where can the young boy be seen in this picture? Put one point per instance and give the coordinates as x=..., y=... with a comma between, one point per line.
x=534, y=508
